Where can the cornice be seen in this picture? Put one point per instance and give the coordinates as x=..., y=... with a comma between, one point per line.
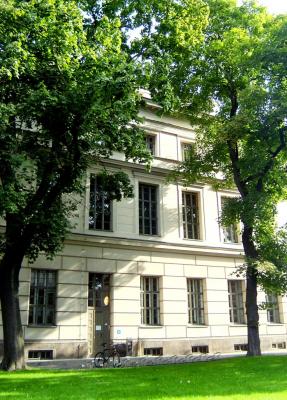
x=153, y=246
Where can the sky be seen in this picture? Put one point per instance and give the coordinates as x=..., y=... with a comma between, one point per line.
x=274, y=6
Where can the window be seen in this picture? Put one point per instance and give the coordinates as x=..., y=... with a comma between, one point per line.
x=100, y=215
x=99, y=290
x=148, y=209
x=203, y=349
x=273, y=315
x=236, y=307
x=40, y=354
x=190, y=215
x=280, y=345
x=150, y=300
x=185, y=151
x=153, y=351
x=42, y=307
x=150, y=143
x=241, y=347
x=195, y=301
x=229, y=232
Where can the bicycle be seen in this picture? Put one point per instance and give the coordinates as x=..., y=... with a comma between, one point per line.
x=107, y=358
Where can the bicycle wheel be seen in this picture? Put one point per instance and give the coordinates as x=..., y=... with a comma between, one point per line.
x=99, y=360
x=111, y=358
x=116, y=360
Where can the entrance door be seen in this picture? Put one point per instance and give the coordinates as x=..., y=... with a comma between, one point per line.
x=99, y=312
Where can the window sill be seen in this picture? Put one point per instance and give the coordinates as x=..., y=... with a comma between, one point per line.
x=151, y=326
x=100, y=230
x=41, y=326
x=193, y=240
x=234, y=324
x=197, y=326
x=274, y=324
x=149, y=235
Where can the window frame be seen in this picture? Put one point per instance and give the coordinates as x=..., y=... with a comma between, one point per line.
x=103, y=197
x=236, y=304
x=273, y=311
x=184, y=213
x=184, y=149
x=153, y=206
x=231, y=229
x=34, y=306
x=195, y=301
x=150, y=313
x=151, y=148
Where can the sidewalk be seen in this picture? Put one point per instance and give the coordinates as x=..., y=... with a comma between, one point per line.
x=87, y=363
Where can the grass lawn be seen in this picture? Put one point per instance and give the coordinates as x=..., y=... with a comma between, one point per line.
x=263, y=378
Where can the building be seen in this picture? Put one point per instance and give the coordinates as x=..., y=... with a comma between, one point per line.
x=156, y=271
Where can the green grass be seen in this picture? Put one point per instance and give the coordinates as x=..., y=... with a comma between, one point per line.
x=263, y=378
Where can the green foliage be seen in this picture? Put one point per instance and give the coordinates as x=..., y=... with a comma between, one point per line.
x=68, y=97
x=232, y=85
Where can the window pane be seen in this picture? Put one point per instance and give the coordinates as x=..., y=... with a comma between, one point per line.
x=229, y=232
x=42, y=297
x=195, y=301
x=236, y=306
x=150, y=301
x=190, y=215
x=273, y=315
x=100, y=206
x=147, y=209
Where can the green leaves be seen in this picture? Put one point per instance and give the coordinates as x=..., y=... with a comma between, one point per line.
x=68, y=97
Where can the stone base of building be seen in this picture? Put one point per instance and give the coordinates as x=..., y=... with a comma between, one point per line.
x=79, y=349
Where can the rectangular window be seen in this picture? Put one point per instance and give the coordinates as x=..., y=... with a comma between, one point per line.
x=40, y=354
x=148, y=209
x=150, y=311
x=100, y=215
x=190, y=215
x=185, y=151
x=150, y=143
x=153, y=351
x=236, y=306
x=200, y=349
x=195, y=301
x=42, y=308
x=229, y=232
x=273, y=315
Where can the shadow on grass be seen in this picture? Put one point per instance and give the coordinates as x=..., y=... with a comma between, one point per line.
x=246, y=377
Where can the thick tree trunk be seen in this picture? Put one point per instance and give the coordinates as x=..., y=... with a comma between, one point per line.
x=251, y=294
x=252, y=313
x=13, y=357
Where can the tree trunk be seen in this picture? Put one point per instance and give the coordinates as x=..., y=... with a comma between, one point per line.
x=251, y=293
x=252, y=313
x=13, y=357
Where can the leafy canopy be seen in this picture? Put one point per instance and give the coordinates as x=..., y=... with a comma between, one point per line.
x=68, y=98
x=232, y=85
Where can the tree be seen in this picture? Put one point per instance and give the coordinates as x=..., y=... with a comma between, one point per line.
x=67, y=99
x=233, y=87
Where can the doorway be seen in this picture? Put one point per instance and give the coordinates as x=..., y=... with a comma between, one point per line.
x=98, y=312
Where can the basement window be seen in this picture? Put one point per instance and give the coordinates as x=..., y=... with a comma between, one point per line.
x=153, y=351
x=40, y=354
x=281, y=345
x=241, y=347
x=200, y=349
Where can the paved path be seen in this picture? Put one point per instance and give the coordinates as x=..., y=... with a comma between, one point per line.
x=138, y=361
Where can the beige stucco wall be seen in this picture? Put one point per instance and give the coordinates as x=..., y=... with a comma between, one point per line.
x=126, y=266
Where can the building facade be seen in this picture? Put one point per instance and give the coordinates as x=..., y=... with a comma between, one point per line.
x=156, y=271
